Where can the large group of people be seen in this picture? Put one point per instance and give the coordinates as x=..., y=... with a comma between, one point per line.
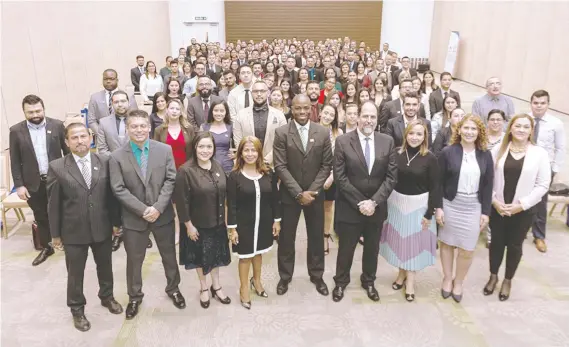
x=244, y=138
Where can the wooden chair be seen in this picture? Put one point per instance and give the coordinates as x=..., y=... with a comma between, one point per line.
x=558, y=199
x=10, y=201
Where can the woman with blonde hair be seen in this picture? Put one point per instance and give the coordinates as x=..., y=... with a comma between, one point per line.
x=466, y=176
x=276, y=100
x=408, y=240
x=522, y=177
x=253, y=214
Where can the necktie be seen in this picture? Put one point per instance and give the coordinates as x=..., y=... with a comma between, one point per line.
x=246, y=98
x=85, y=172
x=141, y=70
x=122, y=130
x=303, y=137
x=143, y=162
x=367, y=153
x=205, y=108
x=110, y=103
x=536, y=129
x=446, y=94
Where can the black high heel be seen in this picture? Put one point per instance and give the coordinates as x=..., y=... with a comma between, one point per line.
x=410, y=297
x=225, y=301
x=262, y=294
x=503, y=296
x=490, y=285
x=204, y=304
x=328, y=238
x=397, y=286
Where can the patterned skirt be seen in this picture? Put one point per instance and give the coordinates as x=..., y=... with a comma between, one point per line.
x=404, y=243
x=211, y=250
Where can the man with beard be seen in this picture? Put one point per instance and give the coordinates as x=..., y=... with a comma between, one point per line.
x=230, y=80
x=257, y=71
x=198, y=106
x=240, y=97
x=190, y=87
x=266, y=120
x=100, y=104
x=33, y=144
x=303, y=160
x=313, y=92
x=394, y=108
x=365, y=171
x=396, y=126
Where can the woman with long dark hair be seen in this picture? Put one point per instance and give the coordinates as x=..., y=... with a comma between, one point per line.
x=219, y=125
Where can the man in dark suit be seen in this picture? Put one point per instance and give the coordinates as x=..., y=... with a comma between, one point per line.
x=33, y=144
x=302, y=156
x=394, y=108
x=136, y=72
x=82, y=212
x=406, y=63
x=143, y=175
x=290, y=72
x=213, y=70
x=313, y=73
x=199, y=105
x=396, y=126
x=365, y=171
x=241, y=58
x=437, y=96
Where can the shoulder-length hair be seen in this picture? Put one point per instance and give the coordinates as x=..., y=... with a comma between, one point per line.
x=200, y=135
x=260, y=165
x=283, y=104
x=156, y=96
x=226, y=119
x=424, y=147
x=334, y=124
x=146, y=69
x=358, y=94
x=446, y=114
x=424, y=85
x=508, y=135
x=482, y=139
x=183, y=117
x=173, y=79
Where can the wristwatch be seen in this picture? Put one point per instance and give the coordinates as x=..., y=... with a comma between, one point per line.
x=297, y=197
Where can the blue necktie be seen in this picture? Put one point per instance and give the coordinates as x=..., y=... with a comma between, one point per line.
x=367, y=154
x=143, y=163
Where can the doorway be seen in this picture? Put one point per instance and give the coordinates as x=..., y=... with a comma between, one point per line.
x=202, y=32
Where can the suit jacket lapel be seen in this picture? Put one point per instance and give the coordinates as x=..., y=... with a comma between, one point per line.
x=295, y=136
x=377, y=149
x=356, y=145
x=95, y=169
x=48, y=134
x=310, y=139
x=27, y=136
x=149, y=164
x=401, y=126
x=270, y=129
x=398, y=106
x=74, y=171
x=134, y=163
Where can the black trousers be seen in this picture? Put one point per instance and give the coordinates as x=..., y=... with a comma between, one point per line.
x=508, y=232
x=348, y=236
x=75, y=259
x=135, y=243
x=540, y=217
x=314, y=218
x=38, y=204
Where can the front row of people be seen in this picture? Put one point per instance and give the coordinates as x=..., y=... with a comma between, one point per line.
x=384, y=193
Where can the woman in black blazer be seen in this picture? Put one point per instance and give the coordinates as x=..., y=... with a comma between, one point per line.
x=444, y=137
x=467, y=174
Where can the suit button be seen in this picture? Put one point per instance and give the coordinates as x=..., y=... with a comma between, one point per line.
x=90, y=205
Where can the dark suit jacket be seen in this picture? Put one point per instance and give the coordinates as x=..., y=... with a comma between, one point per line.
x=302, y=171
x=24, y=164
x=135, y=192
x=161, y=133
x=135, y=78
x=318, y=75
x=450, y=163
x=392, y=109
x=354, y=182
x=293, y=75
x=436, y=100
x=77, y=214
x=196, y=115
x=441, y=141
x=396, y=74
x=214, y=73
x=396, y=129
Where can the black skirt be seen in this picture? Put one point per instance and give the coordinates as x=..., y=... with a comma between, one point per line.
x=211, y=250
x=330, y=194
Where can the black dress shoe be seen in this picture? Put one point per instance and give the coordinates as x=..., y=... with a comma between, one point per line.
x=225, y=301
x=282, y=287
x=149, y=243
x=491, y=285
x=337, y=293
x=204, y=304
x=116, y=243
x=505, y=290
x=81, y=323
x=371, y=292
x=44, y=254
x=321, y=286
x=113, y=306
x=178, y=299
x=132, y=309
x=410, y=297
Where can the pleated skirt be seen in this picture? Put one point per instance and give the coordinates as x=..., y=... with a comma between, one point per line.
x=462, y=221
x=404, y=243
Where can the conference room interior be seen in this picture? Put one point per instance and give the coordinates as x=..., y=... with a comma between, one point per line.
x=66, y=46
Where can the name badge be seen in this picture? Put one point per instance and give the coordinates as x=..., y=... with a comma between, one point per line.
x=275, y=121
x=217, y=173
x=49, y=131
x=95, y=168
x=311, y=140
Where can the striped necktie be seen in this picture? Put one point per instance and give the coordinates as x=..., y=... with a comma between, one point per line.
x=85, y=172
x=143, y=162
x=303, y=137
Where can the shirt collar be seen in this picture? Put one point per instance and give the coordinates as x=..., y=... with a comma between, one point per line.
x=111, y=92
x=362, y=137
x=77, y=158
x=135, y=147
x=545, y=117
x=492, y=97
x=36, y=126
x=298, y=126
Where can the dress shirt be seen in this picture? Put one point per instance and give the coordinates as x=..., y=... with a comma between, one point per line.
x=371, y=142
x=406, y=122
x=486, y=103
x=469, y=178
x=39, y=140
x=88, y=162
x=260, y=118
x=236, y=100
x=551, y=137
x=108, y=96
x=137, y=151
x=150, y=86
x=306, y=126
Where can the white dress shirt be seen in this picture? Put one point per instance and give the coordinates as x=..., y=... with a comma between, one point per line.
x=39, y=141
x=551, y=137
x=88, y=162
x=469, y=178
x=236, y=100
x=371, y=142
x=150, y=86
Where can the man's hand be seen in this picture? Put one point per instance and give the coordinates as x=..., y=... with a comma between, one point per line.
x=328, y=182
x=367, y=207
x=307, y=198
x=56, y=243
x=117, y=231
x=23, y=193
x=276, y=228
x=151, y=214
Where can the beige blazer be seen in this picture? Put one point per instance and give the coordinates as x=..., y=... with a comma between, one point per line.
x=243, y=125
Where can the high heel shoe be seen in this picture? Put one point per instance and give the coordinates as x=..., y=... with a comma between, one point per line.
x=397, y=286
x=225, y=301
x=410, y=297
x=204, y=304
x=445, y=294
x=328, y=238
x=505, y=290
x=262, y=294
x=456, y=297
x=247, y=304
x=491, y=285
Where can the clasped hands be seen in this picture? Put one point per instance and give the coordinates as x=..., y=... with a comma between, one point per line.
x=306, y=198
x=507, y=210
x=151, y=214
x=367, y=207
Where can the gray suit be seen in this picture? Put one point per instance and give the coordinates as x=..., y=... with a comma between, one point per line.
x=436, y=100
x=136, y=192
x=108, y=136
x=396, y=129
x=196, y=115
x=99, y=109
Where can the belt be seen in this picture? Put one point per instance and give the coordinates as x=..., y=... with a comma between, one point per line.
x=43, y=178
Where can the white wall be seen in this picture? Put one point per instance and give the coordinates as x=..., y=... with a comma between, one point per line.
x=406, y=26
x=186, y=11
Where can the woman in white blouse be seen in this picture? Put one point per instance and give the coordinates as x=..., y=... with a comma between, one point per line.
x=150, y=83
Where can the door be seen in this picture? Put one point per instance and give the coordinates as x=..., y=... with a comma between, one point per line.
x=202, y=32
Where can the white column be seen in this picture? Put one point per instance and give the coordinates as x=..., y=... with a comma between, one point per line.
x=406, y=26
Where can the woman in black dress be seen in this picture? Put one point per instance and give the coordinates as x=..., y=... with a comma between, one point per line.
x=199, y=196
x=253, y=213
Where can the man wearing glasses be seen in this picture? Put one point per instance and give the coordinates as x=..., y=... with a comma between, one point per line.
x=493, y=100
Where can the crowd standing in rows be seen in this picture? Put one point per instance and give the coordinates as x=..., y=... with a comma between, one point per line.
x=242, y=139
